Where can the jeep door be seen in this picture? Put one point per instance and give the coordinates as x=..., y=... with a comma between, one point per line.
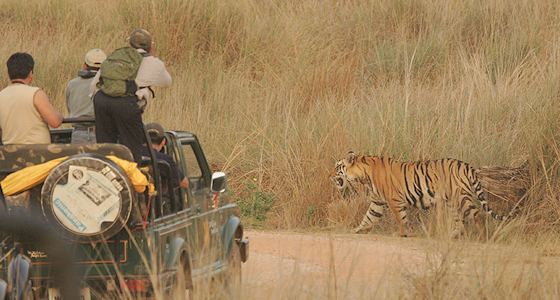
x=194, y=166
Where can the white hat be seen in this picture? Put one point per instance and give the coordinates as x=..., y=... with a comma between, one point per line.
x=95, y=57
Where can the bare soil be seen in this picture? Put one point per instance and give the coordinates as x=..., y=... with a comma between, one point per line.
x=318, y=265
x=322, y=265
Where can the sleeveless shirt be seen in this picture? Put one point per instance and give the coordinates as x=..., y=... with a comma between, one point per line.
x=20, y=120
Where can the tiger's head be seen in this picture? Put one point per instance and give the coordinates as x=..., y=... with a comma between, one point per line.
x=339, y=174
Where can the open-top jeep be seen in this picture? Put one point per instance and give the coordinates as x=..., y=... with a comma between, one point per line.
x=166, y=242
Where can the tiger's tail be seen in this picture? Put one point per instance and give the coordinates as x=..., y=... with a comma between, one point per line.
x=480, y=196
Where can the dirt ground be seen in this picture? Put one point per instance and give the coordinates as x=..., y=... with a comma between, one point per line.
x=321, y=265
x=318, y=265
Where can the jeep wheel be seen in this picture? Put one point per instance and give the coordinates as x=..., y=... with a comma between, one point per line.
x=180, y=288
x=232, y=277
x=87, y=198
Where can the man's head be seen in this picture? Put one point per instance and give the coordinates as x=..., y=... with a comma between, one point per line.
x=94, y=58
x=20, y=65
x=157, y=133
x=140, y=39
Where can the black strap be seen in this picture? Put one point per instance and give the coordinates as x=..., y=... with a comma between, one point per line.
x=149, y=88
x=18, y=81
x=3, y=204
x=86, y=73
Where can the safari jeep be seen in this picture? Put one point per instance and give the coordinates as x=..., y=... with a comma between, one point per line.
x=123, y=242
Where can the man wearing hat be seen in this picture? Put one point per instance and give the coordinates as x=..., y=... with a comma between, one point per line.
x=157, y=135
x=78, y=102
x=152, y=70
x=121, y=120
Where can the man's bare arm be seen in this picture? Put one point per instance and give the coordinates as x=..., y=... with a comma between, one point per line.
x=43, y=105
x=185, y=182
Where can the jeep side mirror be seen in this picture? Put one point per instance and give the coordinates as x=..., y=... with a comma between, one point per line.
x=219, y=182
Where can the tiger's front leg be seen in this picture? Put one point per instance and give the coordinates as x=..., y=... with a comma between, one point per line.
x=375, y=211
x=399, y=210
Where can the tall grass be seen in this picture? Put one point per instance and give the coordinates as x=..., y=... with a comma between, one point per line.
x=279, y=90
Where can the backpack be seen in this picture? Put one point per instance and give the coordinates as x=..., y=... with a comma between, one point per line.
x=118, y=72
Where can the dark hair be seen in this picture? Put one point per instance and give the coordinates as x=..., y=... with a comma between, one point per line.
x=90, y=68
x=20, y=64
x=157, y=140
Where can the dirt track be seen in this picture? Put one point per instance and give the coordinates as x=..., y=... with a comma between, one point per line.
x=313, y=265
x=317, y=265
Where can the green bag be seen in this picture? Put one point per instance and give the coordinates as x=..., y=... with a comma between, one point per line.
x=118, y=72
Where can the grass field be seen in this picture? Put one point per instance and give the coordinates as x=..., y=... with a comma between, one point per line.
x=277, y=91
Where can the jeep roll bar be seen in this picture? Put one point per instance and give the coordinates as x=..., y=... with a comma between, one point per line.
x=3, y=204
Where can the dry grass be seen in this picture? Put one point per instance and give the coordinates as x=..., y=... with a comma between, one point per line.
x=279, y=90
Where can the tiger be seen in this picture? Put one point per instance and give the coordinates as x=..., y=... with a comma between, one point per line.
x=419, y=184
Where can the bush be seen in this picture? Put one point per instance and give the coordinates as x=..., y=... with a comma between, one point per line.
x=255, y=203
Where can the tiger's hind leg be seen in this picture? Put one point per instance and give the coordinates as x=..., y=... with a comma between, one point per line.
x=469, y=212
x=459, y=226
x=472, y=213
x=459, y=207
x=480, y=220
x=375, y=211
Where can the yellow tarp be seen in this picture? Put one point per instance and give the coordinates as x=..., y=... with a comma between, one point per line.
x=29, y=177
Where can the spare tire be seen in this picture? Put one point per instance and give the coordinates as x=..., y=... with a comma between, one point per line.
x=87, y=198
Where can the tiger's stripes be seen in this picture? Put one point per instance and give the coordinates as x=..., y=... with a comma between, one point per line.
x=421, y=184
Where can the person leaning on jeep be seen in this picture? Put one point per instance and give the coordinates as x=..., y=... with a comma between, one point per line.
x=25, y=109
x=78, y=102
x=157, y=135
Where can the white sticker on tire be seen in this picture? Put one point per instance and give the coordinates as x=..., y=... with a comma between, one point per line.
x=88, y=199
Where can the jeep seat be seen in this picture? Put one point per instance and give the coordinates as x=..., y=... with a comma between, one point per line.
x=15, y=157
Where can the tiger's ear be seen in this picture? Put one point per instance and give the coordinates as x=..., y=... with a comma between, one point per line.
x=349, y=160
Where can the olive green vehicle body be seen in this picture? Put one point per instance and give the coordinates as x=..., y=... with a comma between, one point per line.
x=163, y=234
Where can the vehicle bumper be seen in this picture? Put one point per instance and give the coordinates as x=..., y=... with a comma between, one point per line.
x=244, y=249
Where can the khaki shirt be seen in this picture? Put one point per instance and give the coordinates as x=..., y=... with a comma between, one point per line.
x=20, y=120
x=152, y=72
